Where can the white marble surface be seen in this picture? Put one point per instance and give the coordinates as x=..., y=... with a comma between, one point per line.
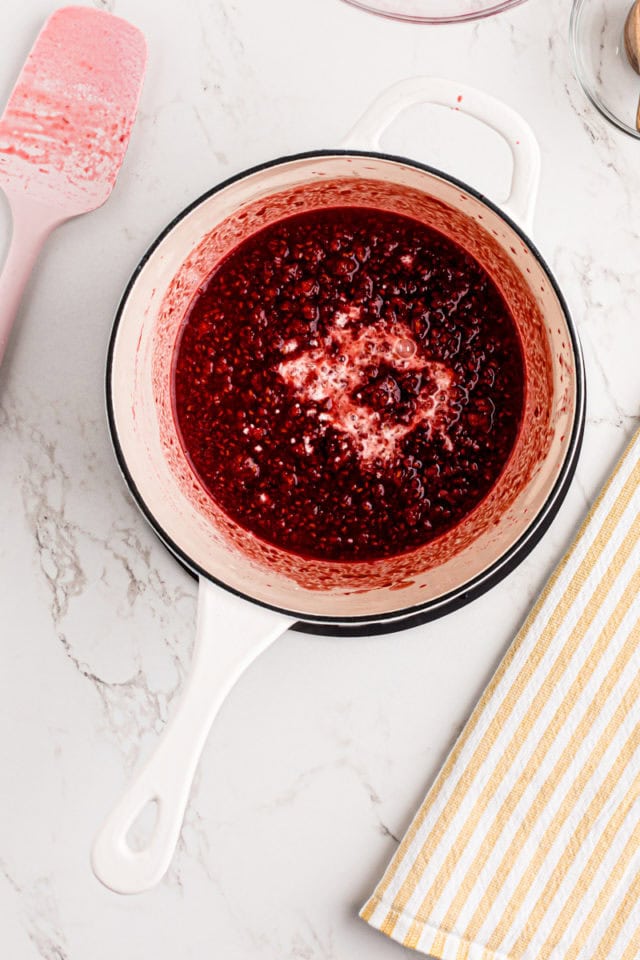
x=323, y=751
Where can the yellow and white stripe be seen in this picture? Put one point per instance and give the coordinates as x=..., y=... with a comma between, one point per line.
x=528, y=844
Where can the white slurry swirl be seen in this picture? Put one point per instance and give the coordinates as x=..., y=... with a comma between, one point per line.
x=335, y=373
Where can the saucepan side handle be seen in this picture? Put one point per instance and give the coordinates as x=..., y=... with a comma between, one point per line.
x=518, y=135
x=231, y=633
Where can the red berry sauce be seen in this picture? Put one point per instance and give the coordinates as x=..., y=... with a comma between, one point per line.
x=349, y=384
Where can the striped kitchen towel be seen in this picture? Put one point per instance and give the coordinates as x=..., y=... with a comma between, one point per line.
x=528, y=844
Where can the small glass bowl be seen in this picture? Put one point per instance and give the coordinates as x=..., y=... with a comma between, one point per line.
x=600, y=63
x=436, y=11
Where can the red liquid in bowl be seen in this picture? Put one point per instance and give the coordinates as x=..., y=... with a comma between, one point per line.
x=349, y=384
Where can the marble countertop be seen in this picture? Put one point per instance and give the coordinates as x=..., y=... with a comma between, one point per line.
x=323, y=751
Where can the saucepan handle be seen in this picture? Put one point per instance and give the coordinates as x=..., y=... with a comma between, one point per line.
x=519, y=136
x=231, y=633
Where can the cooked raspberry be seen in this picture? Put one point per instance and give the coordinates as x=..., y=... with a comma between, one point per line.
x=348, y=384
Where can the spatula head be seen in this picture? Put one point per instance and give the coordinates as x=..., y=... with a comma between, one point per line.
x=65, y=130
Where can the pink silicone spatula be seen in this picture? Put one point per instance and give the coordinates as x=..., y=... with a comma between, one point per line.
x=64, y=133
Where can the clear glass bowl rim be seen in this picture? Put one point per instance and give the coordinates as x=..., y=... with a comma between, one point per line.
x=582, y=74
x=375, y=6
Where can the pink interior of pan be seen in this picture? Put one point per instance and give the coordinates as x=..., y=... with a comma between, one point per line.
x=151, y=323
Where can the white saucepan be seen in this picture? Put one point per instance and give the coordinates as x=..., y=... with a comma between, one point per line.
x=251, y=592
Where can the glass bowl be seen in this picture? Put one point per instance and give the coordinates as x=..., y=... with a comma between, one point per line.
x=436, y=11
x=596, y=35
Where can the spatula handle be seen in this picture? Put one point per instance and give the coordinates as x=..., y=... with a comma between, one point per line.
x=32, y=223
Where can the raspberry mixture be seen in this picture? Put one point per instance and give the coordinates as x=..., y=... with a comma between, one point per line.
x=349, y=384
